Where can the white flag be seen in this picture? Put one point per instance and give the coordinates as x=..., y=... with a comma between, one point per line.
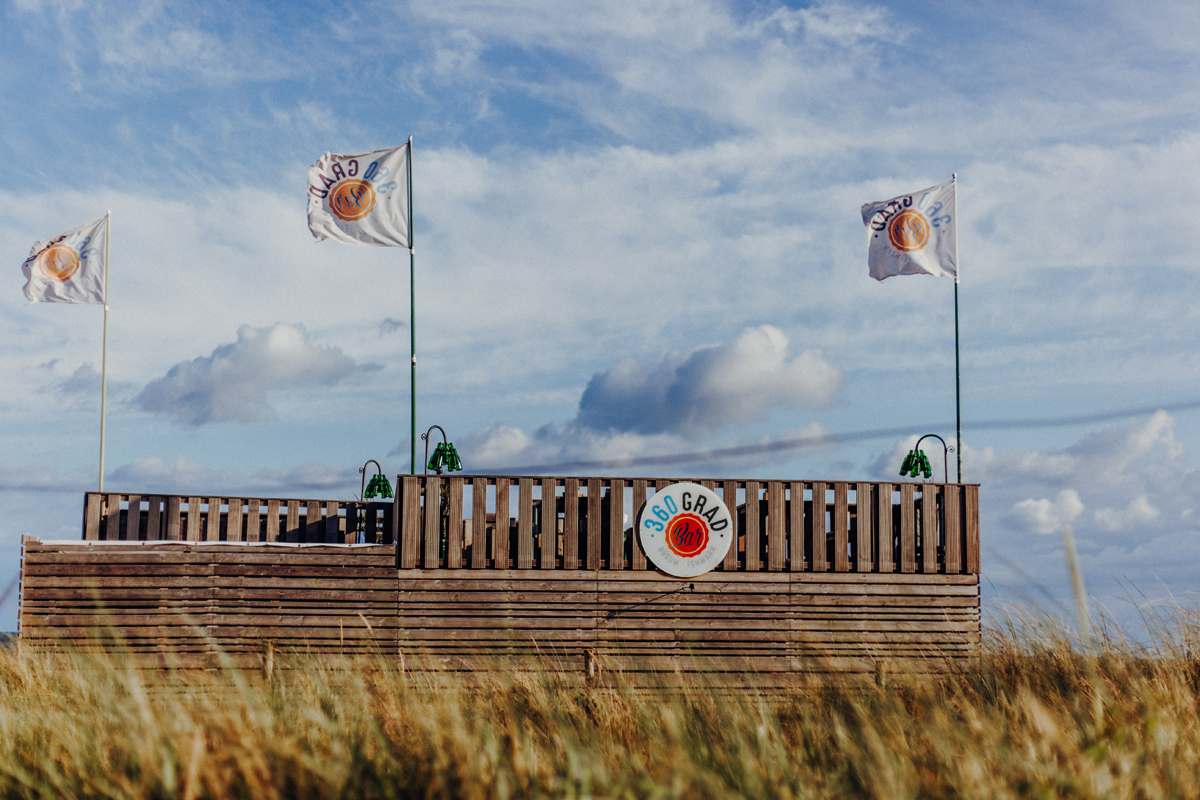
x=361, y=199
x=68, y=268
x=914, y=234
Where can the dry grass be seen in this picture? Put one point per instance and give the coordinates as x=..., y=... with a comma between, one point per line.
x=1034, y=716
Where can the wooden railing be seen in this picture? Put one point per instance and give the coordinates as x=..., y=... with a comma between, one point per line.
x=797, y=526
x=131, y=517
x=782, y=526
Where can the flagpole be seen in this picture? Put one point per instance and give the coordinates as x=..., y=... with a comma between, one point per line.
x=412, y=317
x=104, y=350
x=957, y=363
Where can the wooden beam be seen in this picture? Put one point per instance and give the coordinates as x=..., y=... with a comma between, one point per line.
x=820, y=558
x=525, y=523
x=639, y=499
x=841, y=527
x=616, y=524
x=908, y=527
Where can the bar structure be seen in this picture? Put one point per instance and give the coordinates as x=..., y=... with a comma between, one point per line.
x=462, y=571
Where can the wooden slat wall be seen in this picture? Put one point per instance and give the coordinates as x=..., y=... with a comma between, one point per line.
x=209, y=601
x=861, y=530
x=767, y=622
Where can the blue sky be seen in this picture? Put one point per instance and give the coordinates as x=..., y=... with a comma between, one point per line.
x=654, y=203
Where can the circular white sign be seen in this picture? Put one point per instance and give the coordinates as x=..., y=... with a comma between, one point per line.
x=685, y=529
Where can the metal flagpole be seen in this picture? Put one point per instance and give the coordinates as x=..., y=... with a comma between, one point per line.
x=412, y=314
x=957, y=363
x=104, y=355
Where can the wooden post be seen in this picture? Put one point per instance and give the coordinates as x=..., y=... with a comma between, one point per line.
x=616, y=524
x=593, y=524
x=820, y=559
x=865, y=533
x=571, y=523
x=729, y=489
x=841, y=524
x=503, y=523
x=548, y=552
x=525, y=523
x=639, y=500
x=433, y=521
x=908, y=527
x=479, y=548
x=454, y=540
x=929, y=529
x=753, y=542
x=775, y=533
x=797, y=562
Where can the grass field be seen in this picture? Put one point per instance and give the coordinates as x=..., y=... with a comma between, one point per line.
x=1036, y=715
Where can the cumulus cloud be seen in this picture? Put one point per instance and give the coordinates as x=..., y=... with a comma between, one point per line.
x=710, y=388
x=232, y=384
x=1046, y=516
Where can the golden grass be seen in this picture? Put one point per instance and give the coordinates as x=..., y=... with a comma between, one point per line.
x=1034, y=716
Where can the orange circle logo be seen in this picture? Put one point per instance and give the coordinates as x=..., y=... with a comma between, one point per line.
x=908, y=231
x=352, y=199
x=687, y=535
x=59, y=262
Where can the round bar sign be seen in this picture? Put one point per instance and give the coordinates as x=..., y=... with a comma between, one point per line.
x=685, y=529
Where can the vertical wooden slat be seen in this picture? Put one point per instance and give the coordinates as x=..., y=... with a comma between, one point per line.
x=173, y=527
x=333, y=533
x=885, y=557
x=213, y=528
x=433, y=521
x=314, y=529
x=753, y=542
x=950, y=507
x=233, y=525
x=292, y=525
x=820, y=558
x=154, y=518
x=929, y=528
x=616, y=524
x=730, y=496
x=548, y=541
x=639, y=500
x=454, y=537
x=841, y=527
x=112, y=517
x=525, y=523
x=479, y=548
x=353, y=511
x=775, y=506
x=253, y=520
x=971, y=523
x=797, y=561
x=272, y=531
x=133, y=518
x=571, y=523
x=388, y=533
x=865, y=526
x=91, y=516
x=193, y=520
x=503, y=523
x=908, y=528
x=410, y=521
x=593, y=524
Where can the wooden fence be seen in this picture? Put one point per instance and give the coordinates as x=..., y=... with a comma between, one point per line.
x=464, y=570
x=782, y=526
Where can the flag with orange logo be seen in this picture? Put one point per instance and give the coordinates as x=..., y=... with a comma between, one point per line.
x=914, y=234
x=362, y=199
x=68, y=268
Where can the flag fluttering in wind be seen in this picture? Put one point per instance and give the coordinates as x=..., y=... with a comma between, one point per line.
x=68, y=268
x=362, y=199
x=914, y=234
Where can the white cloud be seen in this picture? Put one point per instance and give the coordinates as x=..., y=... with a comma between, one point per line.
x=1045, y=516
x=232, y=384
x=709, y=388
